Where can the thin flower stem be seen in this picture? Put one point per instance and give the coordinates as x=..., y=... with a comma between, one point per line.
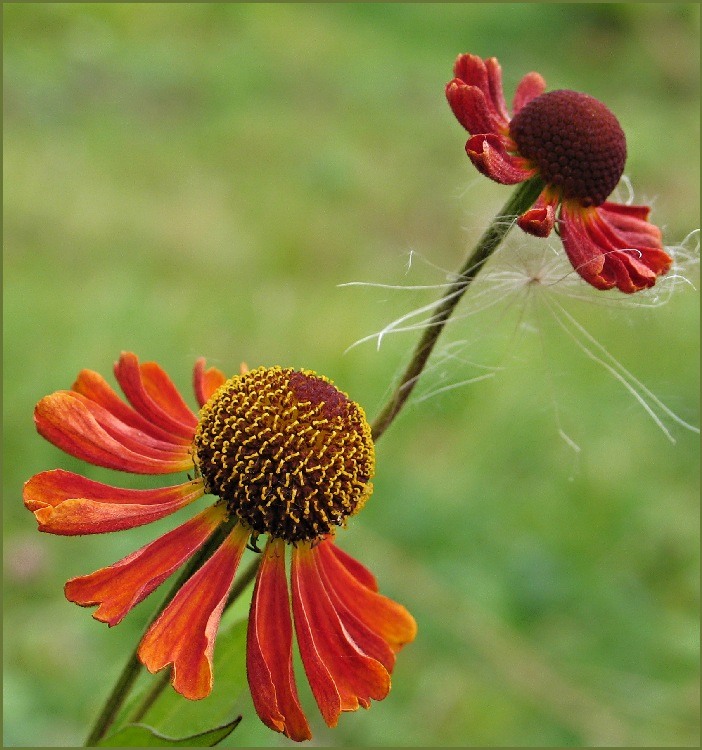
x=521, y=200
x=133, y=667
x=114, y=702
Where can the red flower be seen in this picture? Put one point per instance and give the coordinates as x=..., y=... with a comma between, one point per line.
x=577, y=147
x=289, y=456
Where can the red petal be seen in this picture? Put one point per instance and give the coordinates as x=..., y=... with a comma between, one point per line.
x=185, y=632
x=475, y=95
x=341, y=676
x=122, y=586
x=541, y=219
x=632, y=225
x=92, y=385
x=603, y=247
x=531, y=86
x=496, y=95
x=269, y=649
x=206, y=382
x=85, y=430
x=68, y=504
x=391, y=621
x=489, y=154
x=152, y=393
x=472, y=109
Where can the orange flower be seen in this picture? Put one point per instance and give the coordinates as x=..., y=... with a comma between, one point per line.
x=287, y=455
x=577, y=147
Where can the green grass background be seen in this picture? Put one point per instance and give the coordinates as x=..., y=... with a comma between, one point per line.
x=197, y=179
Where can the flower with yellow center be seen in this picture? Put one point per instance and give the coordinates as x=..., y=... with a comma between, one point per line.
x=288, y=456
x=576, y=146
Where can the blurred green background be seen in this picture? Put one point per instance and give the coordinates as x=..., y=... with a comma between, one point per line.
x=198, y=179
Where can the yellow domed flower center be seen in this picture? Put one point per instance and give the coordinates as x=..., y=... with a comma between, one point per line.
x=576, y=143
x=290, y=454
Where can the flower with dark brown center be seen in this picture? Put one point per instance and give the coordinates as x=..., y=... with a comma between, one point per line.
x=288, y=456
x=576, y=146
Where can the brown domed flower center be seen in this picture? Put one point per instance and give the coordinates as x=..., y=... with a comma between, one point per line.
x=287, y=451
x=575, y=141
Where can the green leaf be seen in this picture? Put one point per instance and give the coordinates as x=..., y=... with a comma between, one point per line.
x=140, y=735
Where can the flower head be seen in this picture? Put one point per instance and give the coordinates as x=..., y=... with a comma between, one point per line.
x=288, y=456
x=576, y=146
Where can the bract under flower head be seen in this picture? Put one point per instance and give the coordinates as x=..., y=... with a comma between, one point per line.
x=289, y=453
x=290, y=456
x=576, y=146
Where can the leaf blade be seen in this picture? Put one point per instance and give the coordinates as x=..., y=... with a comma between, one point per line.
x=142, y=735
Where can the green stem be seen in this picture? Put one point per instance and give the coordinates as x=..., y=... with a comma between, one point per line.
x=116, y=699
x=522, y=199
x=133, y=667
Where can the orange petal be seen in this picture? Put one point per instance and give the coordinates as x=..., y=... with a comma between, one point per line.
x=85, y=430
x=206, y=382
x=357, y=570
x=389, y=620
x=152, y=393
x=69, y=504
x=341, y=676
x=92, y=385
x=131, y=437
x=123, y=585
x=367, y=640
x=269, y=649
x=184, y=634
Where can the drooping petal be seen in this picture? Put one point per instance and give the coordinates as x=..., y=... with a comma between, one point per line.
x=540, y=219
x=490, y=156
x=632, y=224
x=185, y=632
x=206, y=382
x=120, y=587
x=152, y=393
x=353, y=566
x=341, y=676
x=87, y=431
x=531, y=86
x=628, y=227
x=364, y=637
x=269, y=649
x=388, y=619
x=68, y=504
x=603, y=255
x=94, y=387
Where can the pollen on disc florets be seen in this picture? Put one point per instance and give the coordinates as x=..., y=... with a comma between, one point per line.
x=290, y=454
x=576, y=143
